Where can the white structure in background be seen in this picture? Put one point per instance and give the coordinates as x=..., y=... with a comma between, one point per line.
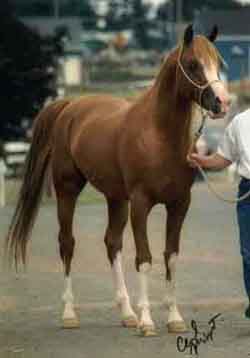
x=72, y=70
x=15, y=154
x=3, y=171
x=12, y=163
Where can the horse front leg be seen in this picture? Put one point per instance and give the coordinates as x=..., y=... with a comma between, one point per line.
x=175, y=218
x=140, y=208
x=118, y=216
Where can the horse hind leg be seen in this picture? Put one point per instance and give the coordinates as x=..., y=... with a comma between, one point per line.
x=118, y=217
x=67, y=189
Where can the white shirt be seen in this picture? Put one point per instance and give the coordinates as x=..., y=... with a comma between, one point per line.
x=235, y=144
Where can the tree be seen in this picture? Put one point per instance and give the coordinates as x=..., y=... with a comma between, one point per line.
x=119, y=15
x=33, y=7
x=81, y=8
x=129, y=14
x=88, y=13
x=140, y=22
x=28, y=64
x=113, y=16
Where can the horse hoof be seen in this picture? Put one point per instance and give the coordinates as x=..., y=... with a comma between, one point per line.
x=70, y=323
x=148, y=331
x=177, y=327
x=130, y=322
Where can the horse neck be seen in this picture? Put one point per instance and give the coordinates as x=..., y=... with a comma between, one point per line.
x=173, y=113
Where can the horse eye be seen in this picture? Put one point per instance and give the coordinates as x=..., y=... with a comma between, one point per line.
x=193, y=66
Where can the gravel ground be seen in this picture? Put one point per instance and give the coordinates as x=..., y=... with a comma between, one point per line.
x=209, y=282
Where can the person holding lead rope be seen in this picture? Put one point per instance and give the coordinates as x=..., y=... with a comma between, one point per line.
x=235, y=148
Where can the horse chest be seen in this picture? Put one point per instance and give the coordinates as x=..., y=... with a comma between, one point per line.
x=150, y=162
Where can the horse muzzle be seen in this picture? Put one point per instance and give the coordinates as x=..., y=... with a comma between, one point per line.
x=217, y=106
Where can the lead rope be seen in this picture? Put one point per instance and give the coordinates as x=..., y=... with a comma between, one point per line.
x=219, y=195
x=199, y=132
x=205, y=176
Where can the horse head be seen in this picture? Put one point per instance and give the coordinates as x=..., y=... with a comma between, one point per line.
x=198, y=65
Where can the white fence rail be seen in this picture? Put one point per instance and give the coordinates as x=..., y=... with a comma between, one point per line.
x=11, y=163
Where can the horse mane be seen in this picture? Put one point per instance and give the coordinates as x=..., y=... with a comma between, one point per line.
x=168, y=82
x=172, y=112
x=168, y=102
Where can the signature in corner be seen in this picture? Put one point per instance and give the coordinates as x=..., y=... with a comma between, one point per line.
x=199, y=337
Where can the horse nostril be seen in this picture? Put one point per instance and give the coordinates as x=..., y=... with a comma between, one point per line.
x=217, y=105
x=218, y=100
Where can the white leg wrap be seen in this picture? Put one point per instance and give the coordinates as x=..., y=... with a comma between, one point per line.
x=174, y=315
x=68, y=299
x=143, y=304
x=122, y=297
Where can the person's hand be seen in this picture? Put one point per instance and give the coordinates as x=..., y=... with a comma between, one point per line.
x=194, y=160
x=212, y=161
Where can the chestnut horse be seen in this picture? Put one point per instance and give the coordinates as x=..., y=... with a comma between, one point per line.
x=133, y=153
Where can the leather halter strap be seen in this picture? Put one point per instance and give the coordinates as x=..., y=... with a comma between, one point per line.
x=202, y=88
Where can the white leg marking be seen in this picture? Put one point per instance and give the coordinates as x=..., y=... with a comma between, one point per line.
x=68, y=299
x=174, y=315
x=122, y=297
x=143, y=304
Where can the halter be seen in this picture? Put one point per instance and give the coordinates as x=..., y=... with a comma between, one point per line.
x=202, y=88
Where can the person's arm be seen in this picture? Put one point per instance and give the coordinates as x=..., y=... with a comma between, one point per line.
x=213, y=161
x=226, y=154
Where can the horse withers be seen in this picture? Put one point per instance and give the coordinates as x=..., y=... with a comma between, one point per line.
x=134, y=153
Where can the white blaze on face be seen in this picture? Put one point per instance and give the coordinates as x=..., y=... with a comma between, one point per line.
x=218, y=86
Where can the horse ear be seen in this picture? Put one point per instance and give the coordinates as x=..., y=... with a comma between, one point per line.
x=188, y=36
x=214, y=33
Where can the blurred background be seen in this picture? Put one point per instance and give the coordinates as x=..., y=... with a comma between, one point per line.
x=55, y=48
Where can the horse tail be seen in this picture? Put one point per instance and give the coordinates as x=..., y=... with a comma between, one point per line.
x=31, y=190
